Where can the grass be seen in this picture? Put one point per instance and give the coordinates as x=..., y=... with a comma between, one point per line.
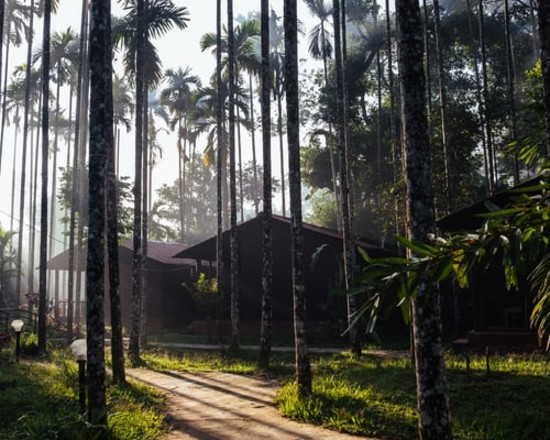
x=39, y=400
x=377, y=398
x=370, y=396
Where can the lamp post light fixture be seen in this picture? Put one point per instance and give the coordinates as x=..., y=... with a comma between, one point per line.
x=78, y=347
x=17, y=326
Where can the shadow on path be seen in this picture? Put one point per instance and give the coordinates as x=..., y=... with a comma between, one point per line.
x=224, y=406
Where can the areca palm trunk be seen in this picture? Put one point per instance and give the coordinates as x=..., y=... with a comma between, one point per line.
x=144, y=204
x=74, y=252
x=101, y=142
x=485, y=87
x=264, y=354
x=18, y=291
x=117, y=348
x=135, y=313
x=448, y=190
x=254, y=161
x=219, y=166
x=544, y=37
x=281, y=147
x=303, y=368
x=511, y=70
x=234, y=244
x=433, y=406
x=345, y=208
x=42, y=299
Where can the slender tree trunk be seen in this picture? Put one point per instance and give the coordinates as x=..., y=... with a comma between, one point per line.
x=219, y=166
x=485, y=88
x=254, y=161
x=345, y=209
x=303, y=369
x=511, y=70
x=42, y=302
x=544, y=37
x=5, y=77
x=117, y=348
x=264, y=354
x=448, y=190
x=433, y=406
x=135, y=314
x=101, y=142
x=281, y=148
x=74, y=254
x=234, y=243
x=393, y=126
x=18, y=291
x=145, y=204
x=240, y=152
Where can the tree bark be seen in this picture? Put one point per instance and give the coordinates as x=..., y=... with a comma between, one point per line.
x=219, y=166
x=42, y=302
x=135, y=313
x=234, y=244
x=303, y=369
x=101, y=142
x=264, y=354
x=433, y=407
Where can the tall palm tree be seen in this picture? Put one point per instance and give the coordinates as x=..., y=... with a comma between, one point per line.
x=264, y=354
x=234, y=244
x=143, y=22
x=320, y=47
x=42, y=302
x=178, y=96
x=277, y=62
x=101, y=141
x=220, y=160
x=345, y=208
x=24, y=156
x=303, y=368
x=17, y=26
x=245, y=60
x=431, y=385
x=123, y=108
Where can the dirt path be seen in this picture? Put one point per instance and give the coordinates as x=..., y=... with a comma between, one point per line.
x=224, y=406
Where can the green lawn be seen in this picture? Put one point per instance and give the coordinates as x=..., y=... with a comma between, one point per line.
x=371, y=396
x=376, y=397
x=39, y=401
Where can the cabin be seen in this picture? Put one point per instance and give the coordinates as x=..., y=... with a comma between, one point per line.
x=167, y=280
x=487, y=314
x=326, y=311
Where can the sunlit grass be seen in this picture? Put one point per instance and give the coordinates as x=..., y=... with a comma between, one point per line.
x=42, y=403
x=377, y=398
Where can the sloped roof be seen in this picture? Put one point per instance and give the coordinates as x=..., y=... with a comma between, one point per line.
x=206, y=250
x=156, y=251
x=468, y=219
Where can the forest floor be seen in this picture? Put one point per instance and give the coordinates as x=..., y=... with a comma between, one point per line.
x=225, y=406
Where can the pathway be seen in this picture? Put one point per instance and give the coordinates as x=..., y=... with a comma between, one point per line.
x=224, y=406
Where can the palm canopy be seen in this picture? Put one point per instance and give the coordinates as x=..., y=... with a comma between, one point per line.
x=246, y=35
x=160, y=17
x=320, y=39
x=177, y=95
x=64, y=55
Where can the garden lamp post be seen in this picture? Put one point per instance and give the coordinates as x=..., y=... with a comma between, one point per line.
x=17, y=326
x=79, y=349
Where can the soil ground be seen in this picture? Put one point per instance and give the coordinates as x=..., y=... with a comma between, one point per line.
x=224, y=406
